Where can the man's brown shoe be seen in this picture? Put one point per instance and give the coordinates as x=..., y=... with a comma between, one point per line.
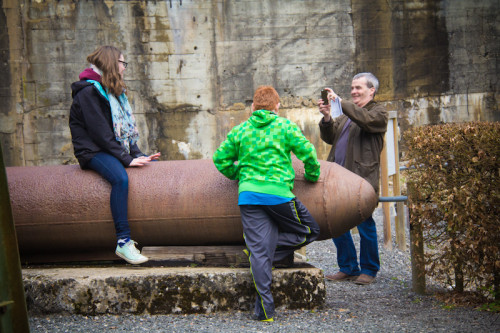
x=364, y=279
x=339, y=276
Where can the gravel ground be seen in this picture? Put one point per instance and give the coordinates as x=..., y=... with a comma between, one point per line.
x=387, y=305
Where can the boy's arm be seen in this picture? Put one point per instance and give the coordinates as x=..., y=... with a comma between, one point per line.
x=305, y=151
x=224, y=158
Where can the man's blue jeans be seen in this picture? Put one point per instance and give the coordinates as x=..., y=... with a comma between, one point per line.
x=368, y=252
x=114, y=172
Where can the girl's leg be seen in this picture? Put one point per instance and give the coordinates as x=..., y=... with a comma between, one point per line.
x=114, y=172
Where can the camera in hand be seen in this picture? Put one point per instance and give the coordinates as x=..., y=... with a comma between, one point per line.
x=324, y=96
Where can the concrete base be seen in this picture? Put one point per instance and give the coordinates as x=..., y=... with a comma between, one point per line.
x=160, y=290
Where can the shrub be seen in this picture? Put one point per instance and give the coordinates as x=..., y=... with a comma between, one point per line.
x=454, y=196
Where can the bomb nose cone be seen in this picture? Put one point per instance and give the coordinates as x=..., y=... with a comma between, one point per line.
x=339, y=201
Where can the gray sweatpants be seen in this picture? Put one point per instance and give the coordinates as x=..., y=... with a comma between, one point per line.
x=271, y=234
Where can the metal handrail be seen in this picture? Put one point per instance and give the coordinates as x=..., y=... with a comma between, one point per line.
x=398, y=198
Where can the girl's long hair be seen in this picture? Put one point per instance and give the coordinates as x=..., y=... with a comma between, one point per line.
x=106, y=59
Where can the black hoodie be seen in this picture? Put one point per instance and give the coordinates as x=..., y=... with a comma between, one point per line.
x=92, y=127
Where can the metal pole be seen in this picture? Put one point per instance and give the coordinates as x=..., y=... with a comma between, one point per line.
x=13, y=312
x=393, y=199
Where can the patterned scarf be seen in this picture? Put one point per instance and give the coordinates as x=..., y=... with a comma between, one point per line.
x=123, y=120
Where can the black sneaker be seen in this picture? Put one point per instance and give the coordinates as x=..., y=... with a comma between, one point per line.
x=287, y=262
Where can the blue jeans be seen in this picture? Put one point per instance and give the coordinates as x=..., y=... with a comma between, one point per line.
x=114, y=172
x=368, y=251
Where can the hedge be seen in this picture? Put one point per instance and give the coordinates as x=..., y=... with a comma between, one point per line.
x=454, y=197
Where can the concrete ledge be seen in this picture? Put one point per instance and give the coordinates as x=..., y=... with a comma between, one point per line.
x=159, y=290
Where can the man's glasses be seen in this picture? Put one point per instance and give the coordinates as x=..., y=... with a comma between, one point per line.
x=125, y=64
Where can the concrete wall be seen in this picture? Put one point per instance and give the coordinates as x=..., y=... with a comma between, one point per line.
x=194, y=65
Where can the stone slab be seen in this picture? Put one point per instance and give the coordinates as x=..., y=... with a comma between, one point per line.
x=164, y=290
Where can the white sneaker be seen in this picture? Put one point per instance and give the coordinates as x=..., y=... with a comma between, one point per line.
x=129, y=253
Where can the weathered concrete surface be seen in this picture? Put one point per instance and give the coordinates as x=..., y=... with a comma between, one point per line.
x=194, y=65
x=157, y=290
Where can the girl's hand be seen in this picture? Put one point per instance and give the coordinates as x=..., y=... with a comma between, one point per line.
x=154, y=157
x=139, y=161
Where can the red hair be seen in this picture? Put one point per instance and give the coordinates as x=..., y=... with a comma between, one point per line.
x=265, y=98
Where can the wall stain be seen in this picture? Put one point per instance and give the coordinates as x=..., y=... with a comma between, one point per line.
x=411, y=33
x=434, y=115
x=169, y=125
x=6, y=82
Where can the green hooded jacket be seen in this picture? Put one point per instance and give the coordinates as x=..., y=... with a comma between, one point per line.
x=257, y=153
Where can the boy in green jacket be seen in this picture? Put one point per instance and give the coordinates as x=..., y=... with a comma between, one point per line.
x=275, y=222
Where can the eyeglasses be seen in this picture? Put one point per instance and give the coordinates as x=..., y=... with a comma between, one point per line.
x=125, y=64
